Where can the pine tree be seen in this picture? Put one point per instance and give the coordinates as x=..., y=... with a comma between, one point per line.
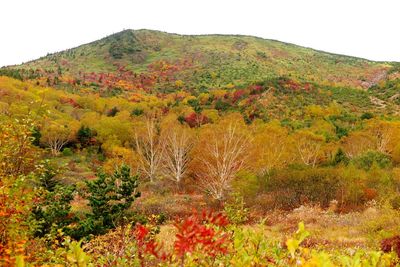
x=110, y=196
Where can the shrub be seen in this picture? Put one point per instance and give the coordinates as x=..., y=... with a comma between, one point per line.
x=67, y=152
x=137, y=112
x=367, y=159
x=200, y=232
x=295, y=187
x=395, y=202
x=246, y=184
x=236, y=211
x=340, y=157
x=84, y=135
x=112, y=112
x=221, y=105
x=367, y=116
x=391, y=244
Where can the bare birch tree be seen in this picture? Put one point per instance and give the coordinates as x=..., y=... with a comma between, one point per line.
x=178, y=145
x=150, y=148
x=308, y=146
x=223, y=152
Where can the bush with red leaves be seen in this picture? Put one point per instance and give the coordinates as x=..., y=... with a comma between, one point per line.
x=196, y=120
x=201, y=232
x=147, y=245
x=391, y=244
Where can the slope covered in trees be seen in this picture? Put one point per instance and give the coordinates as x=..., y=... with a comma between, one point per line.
x=205, y=61
x=113, y=142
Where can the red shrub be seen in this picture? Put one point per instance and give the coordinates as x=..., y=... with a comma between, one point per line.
x=237, y=95
x=196, y=120
x=147, y=245
x=392, y=243
x=198, y=232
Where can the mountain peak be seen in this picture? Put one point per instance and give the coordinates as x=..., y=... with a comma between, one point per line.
x=210, y=60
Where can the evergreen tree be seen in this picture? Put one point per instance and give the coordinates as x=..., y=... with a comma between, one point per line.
x=110, y=196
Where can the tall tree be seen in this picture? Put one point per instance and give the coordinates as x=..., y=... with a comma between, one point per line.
x=57, y=134
x=357, y=142
x=150, y=148
x=222, y=151
x=385, y=134
x=17, y=155
x=178, y=145
x=271, y=149
x=308, y=146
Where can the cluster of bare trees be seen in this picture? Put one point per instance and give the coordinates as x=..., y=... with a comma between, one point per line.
x=165, y=153
x=214, y=153
x=221, y=151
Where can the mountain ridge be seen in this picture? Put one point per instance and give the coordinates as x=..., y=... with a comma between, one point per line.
x=210, y=35
x=204, y=61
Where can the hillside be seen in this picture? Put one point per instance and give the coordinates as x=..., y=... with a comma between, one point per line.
x=148, y=60
x=109, y=151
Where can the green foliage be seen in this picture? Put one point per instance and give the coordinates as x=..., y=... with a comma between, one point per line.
x=76, y=257
x=110, y=196
x=367, y=159
x=111, y=83
x=123, y=44
x=36, y=135
x=247, y=185
x=367, y=116
x=84, y=135
x=53, y=212
x=137, y=112
x=236, y=211
x=13, y=73
x=67, y=152
x=47, y=176
x=222, y=105
x=340, y=158
x=293, y=243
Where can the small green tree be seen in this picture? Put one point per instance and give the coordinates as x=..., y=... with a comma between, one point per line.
x=340, y=157
x=110, y=196
x=84, y=135
x=53, y=211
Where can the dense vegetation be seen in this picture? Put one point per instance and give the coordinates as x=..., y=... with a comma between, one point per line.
x=107, y=151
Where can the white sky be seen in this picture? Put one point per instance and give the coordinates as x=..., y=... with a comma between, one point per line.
x=364, y=28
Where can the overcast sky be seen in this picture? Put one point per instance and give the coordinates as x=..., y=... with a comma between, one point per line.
x=363, y=28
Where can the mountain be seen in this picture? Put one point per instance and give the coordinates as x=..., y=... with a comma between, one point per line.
x=204, y=61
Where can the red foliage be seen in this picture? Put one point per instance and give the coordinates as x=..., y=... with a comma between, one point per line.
x=69, y=101
x=292, y=85
x=147, y=245
x=391, y=244
x=256, y=89
x=199, y=232
x=370, y=193
x=196, y=120
x=238, y=94
x=308, y=87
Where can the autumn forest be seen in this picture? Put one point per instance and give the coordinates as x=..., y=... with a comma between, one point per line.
x=147, y=148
